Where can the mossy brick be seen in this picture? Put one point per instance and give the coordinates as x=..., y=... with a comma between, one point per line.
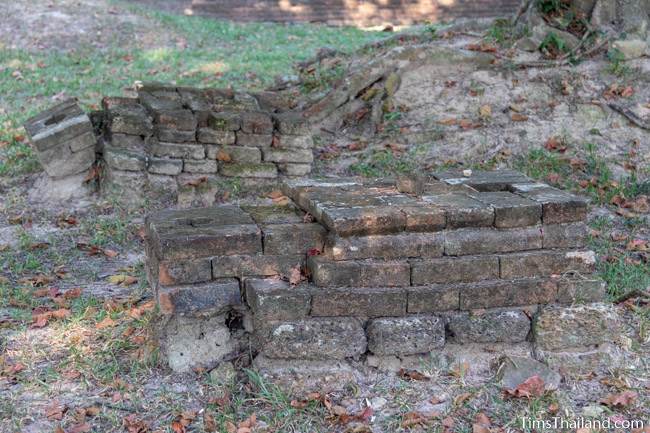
x=488, y=240
x=128, y=142
x=511, y=210
x=210, y=298
x=454, y=269
x=581, y=290
x=462, y=210
x=124, y=159
x=58, y=125
x=236, y=154
x=174, y=135
x=316, y=338
x=557, y=206
x=293, y=142
x=178, y=150
x=274, y=213
x=182, y=120
x=433, y=298
x=293, y=187
x=214, y=136
x=160, y=100
x=83, y=142
x=509, y=326
x=507, y=293
x=253, y=265
x=194, y=99
x=128, y=117
x=290, y=169
x=385, y=246
x=253, y=140
x=359, y=273
x=349, y=221
x=61, y=161
x=216, y=216
x=264, y=170
x=483, y=180
x=256, y=122
x=424, y=218
x=546, y=263
x=570, y=235
x=224, y=121
x=405, y=335
x=291, y=123
x=295, y=238
x=581, y=326
x=272, y=154
x=272, y=299
x=184, y=271
x=207, y=166
x=166, y=166
x=359, y=302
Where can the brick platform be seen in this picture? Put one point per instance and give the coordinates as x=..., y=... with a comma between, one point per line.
x=468, y=259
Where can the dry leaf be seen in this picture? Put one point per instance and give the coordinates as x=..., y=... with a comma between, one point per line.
x=412, y=375
x=624, y=399
x=485, y=111
x=516, y=117
x=295, y=276
x=106, y=323
x=223, y=156
x=531, y=387
x=122, y=279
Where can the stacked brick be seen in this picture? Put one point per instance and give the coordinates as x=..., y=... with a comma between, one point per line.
x=171, y=138
x=467, y=260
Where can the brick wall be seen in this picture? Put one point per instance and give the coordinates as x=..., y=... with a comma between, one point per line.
x=354, y=12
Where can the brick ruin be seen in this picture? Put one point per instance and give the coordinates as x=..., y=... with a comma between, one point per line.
x=175, y=144
x=345, y=271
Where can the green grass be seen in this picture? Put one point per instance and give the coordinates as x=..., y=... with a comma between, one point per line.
x=213, y=53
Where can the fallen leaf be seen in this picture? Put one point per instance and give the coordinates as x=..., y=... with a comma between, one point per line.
x=223, y=156
x=412, y=375
x=55, y=411
x=122, y=279
x=209, y=423
x=531, y=387
x=516, y=117
x=135, y=425
x=485, y=111
x=295, y=276
x=107, y=322
x=462, y=398
x=624, y=399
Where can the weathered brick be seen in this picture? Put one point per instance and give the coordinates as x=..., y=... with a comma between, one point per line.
x=405, y=335
x=557, y=206
x=187, y=271
x=235, y=153
x=161, y=100
x=294, y=141
x=489, y=327
x=60, y=161
x=557, y=328
x=386, y=246
x=359, y=302
x=261, y=170
x=174, y=135
x=182, y=120
x=571, y=235
x=317, y=338
x=123, y=159
x=433, y=299
x=168, y=166
x=200, y=166
x=128, y=142
x=363, y=220
x=254, y=140
x=292, y=188
x=255, y=265
x=256, y=123
x=507, y=293
x=290, y=169
x=57, y=125
x=291, y=123
x=462, y=210
x=274, y=299
x=214, y=136
x=359, y=273
x=293, y=238
x=272, y=154
x=82, y=142
x=424, y=218
x=454, y=270
x=128, y=118
x=511, y=210
x=212, y=297
x=484, y=241
x=224, y=121
x=545, y=263
x=578, y=290
x=177, y=150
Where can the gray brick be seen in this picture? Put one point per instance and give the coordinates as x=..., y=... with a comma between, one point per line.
x=485, y=241
x=511, y=210
x=261, y=170
x=255, y=265
x=571, y=235
x=174, y=135
x=557, y=206
x=212, y=298
x=178, y=150
x=274, y=299
x=254, y=140
x=291, y=123
x=580, y=290
x=462, y=210
x=124, y=160
x=168, y=166
x=290, y=169
x=405, y=335
x=489, y=327
x=272, y=154
x=293, y=238
x=236, y=153
x=214, y=136
x=363, y=221
x=454, y=270
x=423, y=218
x=200, y=166
x=182, y=120
x=386, y=246
x=224, y=121
x=507, y=293
x=433, y=298
x=359, y=302
x=359, y=273
x=546, y=263
x=186, y=271
x=294, y=141
x=256, y=123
